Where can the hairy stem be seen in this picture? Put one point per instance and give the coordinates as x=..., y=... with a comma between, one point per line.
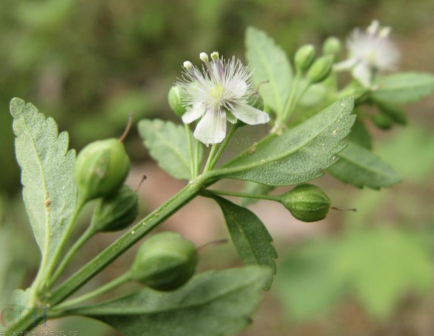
x=244, y=195
x=210, y=158
x=223, y=145
x=102, y=290
x=190, y=151
x=131, y=237
x=74, y=249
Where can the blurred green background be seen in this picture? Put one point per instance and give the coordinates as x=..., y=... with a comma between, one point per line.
x=89, y=63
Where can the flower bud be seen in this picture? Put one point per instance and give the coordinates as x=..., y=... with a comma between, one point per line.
x=320, y=69
x=116, y=212
x=256, y=101
x=304, y=57
x=332, y=46
x=307, y=203
x=165, y=261
x=101, y=168
x=175, y=101
x=382, y=121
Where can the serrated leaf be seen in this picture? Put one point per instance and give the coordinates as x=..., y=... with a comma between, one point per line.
x=269, y=63
x=249, y=235
x=361, y=168
x=254, y=188
x=403, y=88
x=47, y=174
x=299, y=154
x=167, y=144
x=212, y=303
x=360, y=135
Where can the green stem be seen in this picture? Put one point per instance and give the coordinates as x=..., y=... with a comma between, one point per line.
x=190, y=150
x=40, y=283
x=102, y=290
x=131, y=237
x=289, y=104
x=223, y=145
x=210, y=158
x=244, y=195
x=197, y=164
x=74, y=249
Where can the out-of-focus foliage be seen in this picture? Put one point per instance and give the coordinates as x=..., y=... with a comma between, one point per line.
x=375, y=262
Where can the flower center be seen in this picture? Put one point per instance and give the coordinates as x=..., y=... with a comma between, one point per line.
x=217, y=91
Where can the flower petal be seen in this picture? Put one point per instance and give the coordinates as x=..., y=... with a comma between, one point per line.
x=362, y=73
x=211, y=128
x=345, y=65
x=250, y=115
x=193, y=113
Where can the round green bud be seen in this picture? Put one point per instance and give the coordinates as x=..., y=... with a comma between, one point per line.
x=175, y=101
x=101, y=168
x=304, y=57
x=116, y=212
x=382, y=121
x=307, y=203
x=165, y=261
x=332, y=46
x=256, y=101
x=320, y=69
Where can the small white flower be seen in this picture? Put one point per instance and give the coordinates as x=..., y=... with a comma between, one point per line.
x=220, y=88
x=369, y=52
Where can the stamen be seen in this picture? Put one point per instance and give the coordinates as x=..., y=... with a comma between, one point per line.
x=188, y=65
x=385, y=32
x=215, y=56
x=373, y=27
x=204, y=57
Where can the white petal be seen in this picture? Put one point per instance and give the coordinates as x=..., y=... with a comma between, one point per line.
x=362, y=73
x=193, y=113
x=250, y=115
x=345, y=65
x=211, y=128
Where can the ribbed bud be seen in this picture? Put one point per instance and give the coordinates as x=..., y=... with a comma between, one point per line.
x=116, y=212
x=332, y=46
x=320, y=69
x=101, y=168
x=307, y=203
x=175, y=101
x=165, y=261
x=304, y=57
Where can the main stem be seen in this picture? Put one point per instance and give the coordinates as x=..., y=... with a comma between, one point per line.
x=127, y=240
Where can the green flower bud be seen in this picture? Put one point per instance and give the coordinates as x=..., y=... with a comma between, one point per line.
x=256, y=101
x=307, y=203
x=175, y=101
x=116, y=212
x=304, y=57
x=165, y=261
x=320, y=69
x=332, y=46
x=382, y=121
x=101, y=168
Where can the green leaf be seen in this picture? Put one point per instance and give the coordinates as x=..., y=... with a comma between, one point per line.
x=254, y=188
x=381, y=266
x=403, y=88
x=47, y=176
x=360, y=135
x=359, y=167
x=167, y=144
x=250, y=236
x=393, y=112
x=212, y=303
x=299, y=154
x=269, y=64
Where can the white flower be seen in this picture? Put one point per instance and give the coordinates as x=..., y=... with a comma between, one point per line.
x=216, y=93
x=369, y=52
